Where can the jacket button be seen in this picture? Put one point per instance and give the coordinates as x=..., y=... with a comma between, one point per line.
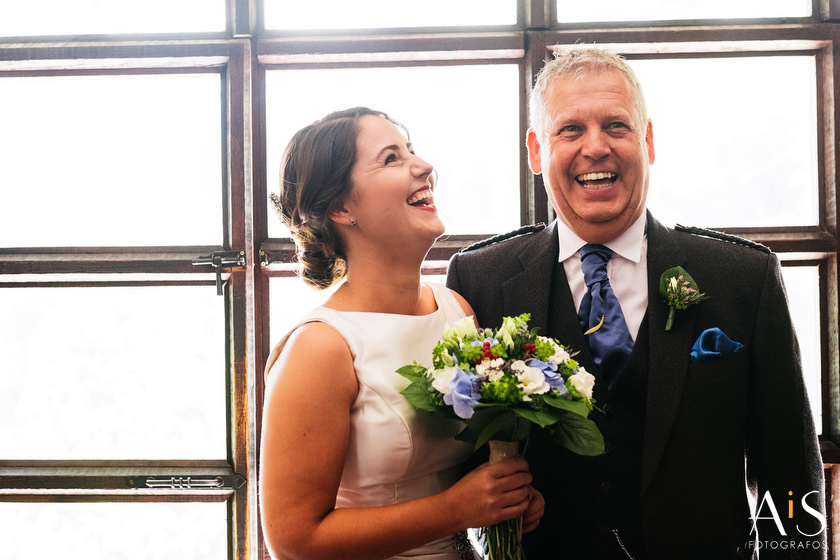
x=609, y=447
x=606, y=487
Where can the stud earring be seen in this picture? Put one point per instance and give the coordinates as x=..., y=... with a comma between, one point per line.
x=352, y=222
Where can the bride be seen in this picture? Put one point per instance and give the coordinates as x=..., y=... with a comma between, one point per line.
x=348, y=468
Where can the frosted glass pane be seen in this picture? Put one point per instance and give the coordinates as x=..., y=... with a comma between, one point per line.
x=466, y=128
x=75, y=17
x=291, y=299
x=111, y=160
x=116, y=531
x=802, y=284
x=337, y=14
x=735, y=140
x=620, y=10
x=112, y=373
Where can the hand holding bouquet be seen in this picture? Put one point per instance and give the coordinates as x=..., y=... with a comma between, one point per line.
x=500, y=383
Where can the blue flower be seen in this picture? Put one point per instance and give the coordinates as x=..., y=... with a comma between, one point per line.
x=463, y=394
x=549, y=369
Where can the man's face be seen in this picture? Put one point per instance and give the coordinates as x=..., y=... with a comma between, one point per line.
x=594, y=155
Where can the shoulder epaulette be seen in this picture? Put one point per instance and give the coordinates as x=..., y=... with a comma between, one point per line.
x=728, y=237
x=524, y=230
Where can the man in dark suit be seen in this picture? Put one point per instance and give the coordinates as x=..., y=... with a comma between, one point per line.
x=689, y=444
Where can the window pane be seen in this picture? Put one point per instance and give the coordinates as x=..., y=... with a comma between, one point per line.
x=338, y=14
x=111, y=161
x=460, y=124
x=736, y=140
x=802, y=285
x=76, y=17
x=291, y=299
x=621, y=10
x=117, y=531
x=112, y=373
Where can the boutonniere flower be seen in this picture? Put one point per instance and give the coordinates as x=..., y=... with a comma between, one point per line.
x=679, y=290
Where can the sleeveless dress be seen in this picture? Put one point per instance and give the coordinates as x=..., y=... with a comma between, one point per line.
x=395, y=452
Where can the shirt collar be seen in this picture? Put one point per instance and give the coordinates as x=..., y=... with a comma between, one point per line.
x=628, y=244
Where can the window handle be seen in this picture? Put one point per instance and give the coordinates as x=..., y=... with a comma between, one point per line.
x=219, y=260
x=190, y=483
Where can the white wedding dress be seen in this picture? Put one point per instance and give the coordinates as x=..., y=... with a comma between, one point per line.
x=396, y=453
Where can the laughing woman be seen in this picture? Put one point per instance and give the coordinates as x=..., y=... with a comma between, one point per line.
x=349, y=469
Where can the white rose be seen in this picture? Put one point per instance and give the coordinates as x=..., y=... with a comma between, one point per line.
x=583, y=382
x=532, y=381
x=442, y=377
x=560, y=355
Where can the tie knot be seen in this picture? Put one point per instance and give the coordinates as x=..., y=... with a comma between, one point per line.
x=593, y=261
x=595, y=253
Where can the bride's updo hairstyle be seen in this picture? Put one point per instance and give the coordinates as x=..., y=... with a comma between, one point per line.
x=314, y=180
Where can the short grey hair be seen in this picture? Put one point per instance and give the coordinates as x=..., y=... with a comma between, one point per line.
x=576, y=63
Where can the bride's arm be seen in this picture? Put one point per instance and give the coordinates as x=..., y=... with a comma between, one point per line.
x=306, y=425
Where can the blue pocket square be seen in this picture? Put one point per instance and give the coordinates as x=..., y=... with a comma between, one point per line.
x=713, y=343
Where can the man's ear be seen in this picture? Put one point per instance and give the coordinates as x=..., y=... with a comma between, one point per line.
x=534, y=160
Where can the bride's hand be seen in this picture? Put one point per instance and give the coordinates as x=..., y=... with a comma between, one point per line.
x=536, y=509
x=493, y=493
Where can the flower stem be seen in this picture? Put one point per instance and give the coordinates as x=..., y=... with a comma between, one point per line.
x=670, y=322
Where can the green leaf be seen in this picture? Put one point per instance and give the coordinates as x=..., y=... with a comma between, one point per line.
x=479, y=421
x=521, y=430
x=413, y=372
x=502, y=424
x=541, y=418
x=579, y=435
x=418, y=395
x=675, y=272
x=576, y=407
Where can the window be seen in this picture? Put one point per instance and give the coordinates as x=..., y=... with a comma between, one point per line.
x=126, y=384
x=139, y=148
x=477, y=181
x=569, y=11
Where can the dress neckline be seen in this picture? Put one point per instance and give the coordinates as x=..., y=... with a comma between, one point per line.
x=435, y=296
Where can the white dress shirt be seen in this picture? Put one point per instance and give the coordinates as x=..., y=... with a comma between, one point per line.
x=627, y=269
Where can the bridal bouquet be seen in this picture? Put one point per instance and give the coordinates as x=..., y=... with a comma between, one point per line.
x=500, y=383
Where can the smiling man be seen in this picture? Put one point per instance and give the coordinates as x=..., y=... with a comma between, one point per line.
x=593, y=143
x=695, y=416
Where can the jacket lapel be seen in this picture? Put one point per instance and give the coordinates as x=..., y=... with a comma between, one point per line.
x=668, y=352
x=529, y=291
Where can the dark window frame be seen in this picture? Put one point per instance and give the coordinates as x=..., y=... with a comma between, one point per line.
x=241, y=55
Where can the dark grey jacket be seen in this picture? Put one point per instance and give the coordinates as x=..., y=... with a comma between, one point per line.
x=702, y=419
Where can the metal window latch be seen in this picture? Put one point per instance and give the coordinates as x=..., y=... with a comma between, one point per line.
x=190, y=483
x=219, y=260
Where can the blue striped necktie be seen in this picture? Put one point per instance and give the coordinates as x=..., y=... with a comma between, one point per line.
x=610, y=343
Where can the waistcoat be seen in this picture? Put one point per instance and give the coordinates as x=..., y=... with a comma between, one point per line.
x=592, y=503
